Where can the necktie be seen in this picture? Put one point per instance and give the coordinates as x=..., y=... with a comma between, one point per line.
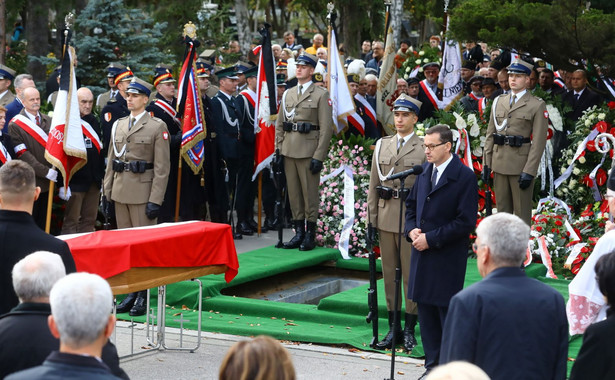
x=434, y=177
x=576, y=98
x=131, y=121
x=299, y=89
x=400, y=145
x=512, y=102
x=38, y=120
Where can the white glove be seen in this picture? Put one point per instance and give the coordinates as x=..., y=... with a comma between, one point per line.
x=65, y=193
x=52, y=175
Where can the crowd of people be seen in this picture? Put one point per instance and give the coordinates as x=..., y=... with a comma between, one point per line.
x=133, y=148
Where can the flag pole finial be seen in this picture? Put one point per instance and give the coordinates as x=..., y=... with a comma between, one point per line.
x=330, y=9
x=189, y=30
x=69, y=19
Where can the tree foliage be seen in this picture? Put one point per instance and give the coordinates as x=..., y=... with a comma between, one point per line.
x=107, y=31
x=564, y=33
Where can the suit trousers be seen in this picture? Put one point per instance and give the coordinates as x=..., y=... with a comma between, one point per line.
x=81, y=211
x=511, y=199
x=388, y=252
x=302, y=188
x=431, y=322
x=132, y=215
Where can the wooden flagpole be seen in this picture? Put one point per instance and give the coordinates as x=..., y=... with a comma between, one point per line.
x=49, y=207
x=260, y=202
x=179, y=187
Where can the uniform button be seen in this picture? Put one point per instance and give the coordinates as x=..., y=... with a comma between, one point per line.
x=422, y=221
x=428, y=199
x=127, y=141
x=396, y=164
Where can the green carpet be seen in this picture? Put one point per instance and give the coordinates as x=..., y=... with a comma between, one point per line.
x=337, y=319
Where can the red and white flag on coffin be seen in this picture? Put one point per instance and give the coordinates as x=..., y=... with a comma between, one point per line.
x=265, y=108
x=65, y=145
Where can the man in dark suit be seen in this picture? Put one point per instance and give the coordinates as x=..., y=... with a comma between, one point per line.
x=25, y=339
x=19, y=235
x=22, y=81
x=490, y=322
x=83, y=323
x=580, y=97
x=440, y=215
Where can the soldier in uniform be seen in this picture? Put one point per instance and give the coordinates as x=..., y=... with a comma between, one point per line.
x=213, y=169
x=6, y=79
x=116, y=107
x=112, y=70
x=137, y=171
x=395, y=154
x=227, y=124
x=303, y=132
x=516, y=139
x=241, y=68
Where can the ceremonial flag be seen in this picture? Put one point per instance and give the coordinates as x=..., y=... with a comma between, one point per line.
x=339, y=93
x=190, y=107
x=450, y=74
x=65, y=147
x=266, y=107
x=387, y=84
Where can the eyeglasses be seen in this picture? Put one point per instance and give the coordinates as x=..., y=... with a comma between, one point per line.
x=432, y=146
x=475, y=247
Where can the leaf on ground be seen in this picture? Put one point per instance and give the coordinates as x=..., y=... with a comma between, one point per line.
x=353, y=349
x=290, y=324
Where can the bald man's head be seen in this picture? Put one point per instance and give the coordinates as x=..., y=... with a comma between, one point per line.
x=31, y=100
x=86, y=101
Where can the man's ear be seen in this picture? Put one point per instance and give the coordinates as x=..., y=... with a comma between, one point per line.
x=52, y=325
x=110, y=325
x=37, y=192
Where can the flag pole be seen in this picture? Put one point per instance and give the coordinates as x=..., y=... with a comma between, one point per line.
x=179, y=187
x=260, y=202
x=49, y=207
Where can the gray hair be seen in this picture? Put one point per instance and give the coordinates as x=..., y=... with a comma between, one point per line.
x=507, y=236
x=81, y=305
x=370, y=77
x=19, y=79
x=458, y=370
x=35, y=275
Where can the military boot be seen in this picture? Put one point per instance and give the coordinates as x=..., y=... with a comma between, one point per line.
x=295, y=242
x=387, y=342
x=309, y=240
x=409, y=339
x=126, y=304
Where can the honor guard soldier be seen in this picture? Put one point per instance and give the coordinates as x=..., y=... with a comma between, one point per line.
x=112, y=70
x=226, y=113
x=303, y=132
x=137, y=171
x=116, y=107
x=394, y=154
x=241, y=68
x=6, y=78
x=163, y=107
x=516, y=139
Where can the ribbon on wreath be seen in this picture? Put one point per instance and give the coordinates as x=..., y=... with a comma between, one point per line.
x=592, y=176
x=348, y=206
x=528, y=254
x=580, y=149
x=467, y=155
x=576, y=250
x=546, y=257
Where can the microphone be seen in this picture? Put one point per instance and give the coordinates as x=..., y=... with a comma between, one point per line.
x=416, y=170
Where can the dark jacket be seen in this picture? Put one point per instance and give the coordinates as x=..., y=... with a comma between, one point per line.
x=587, y=99
x=63, y=366
x=447, y=216
x=20, y=236
x=227, y=135
x=595, y=359
x=511, y=326
x=94, y=169
x=115, y=109
x=25, y=340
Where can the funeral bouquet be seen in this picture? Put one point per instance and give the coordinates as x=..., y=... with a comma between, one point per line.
x=346, y=175
x=413, y=65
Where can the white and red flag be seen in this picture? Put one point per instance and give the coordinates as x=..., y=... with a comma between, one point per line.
x=65, y=148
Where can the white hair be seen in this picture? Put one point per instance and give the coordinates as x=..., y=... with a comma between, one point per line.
x=81, y=304
x=458, y=370
x=507, y=236
x=35, y=275
x=370, y=77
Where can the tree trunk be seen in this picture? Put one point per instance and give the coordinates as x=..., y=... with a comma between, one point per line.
x=397, y=9
x=243, y=27
x=37, y=32
x=350, y=29
x=2, y=30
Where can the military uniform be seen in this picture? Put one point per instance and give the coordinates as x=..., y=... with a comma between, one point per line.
x=522, y=134
x=147, y=141
x=115, y=109
x=245, y=201
x=6, y=73
x=103, y=99
x=384, y=213
x=310, y=111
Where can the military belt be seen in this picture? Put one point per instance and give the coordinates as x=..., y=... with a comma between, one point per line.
x=514, y=141
x=131, y=166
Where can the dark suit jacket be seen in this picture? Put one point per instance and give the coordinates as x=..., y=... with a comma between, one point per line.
x=115, y=109
x=587, y=99
x=447, y=216
x=595, y=359
x=62, y=366
x=12, y=109
x=94, y=169
x=227, y=135
x=20, y=236
x=25, y=340
x=427, y=108
x=511, y=326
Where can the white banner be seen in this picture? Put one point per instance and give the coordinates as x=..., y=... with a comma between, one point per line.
x=450, y=74
x=341, y=99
